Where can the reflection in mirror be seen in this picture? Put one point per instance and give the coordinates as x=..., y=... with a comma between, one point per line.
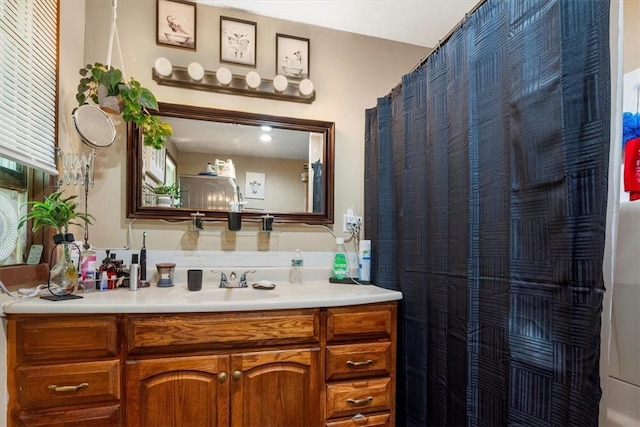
x=217, y=158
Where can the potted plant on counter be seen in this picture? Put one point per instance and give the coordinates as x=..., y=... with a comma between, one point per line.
x=58, y=213
x=107, y=87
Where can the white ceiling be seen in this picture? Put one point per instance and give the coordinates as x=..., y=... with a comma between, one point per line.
x=419, y=22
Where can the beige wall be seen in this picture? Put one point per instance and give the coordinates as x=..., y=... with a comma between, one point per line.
x=349, y=73
x=631, y=51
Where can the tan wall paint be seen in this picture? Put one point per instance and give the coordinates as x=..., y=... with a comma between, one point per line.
x=349, y=72
x=631, y=53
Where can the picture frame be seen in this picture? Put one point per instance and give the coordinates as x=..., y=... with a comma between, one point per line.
x=154, y=163
x=176, y=24
x=292, y=56
x=254, y=185
x=238, y=41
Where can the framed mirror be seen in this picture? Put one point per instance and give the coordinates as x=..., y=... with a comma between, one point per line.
x=268, y=164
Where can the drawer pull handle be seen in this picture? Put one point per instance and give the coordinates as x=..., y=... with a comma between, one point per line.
x=360, y=402
x=64, y=388
x=237, y=375
x=361, y=363
x=222, y=376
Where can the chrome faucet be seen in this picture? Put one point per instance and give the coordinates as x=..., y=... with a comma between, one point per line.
x=232, y=281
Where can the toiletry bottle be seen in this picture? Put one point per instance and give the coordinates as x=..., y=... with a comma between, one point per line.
x=364, y=261
x=88, y=270
x=104, y=281
x=112, y=270
x=340, y=265
x=295, y=273
x=134, y=273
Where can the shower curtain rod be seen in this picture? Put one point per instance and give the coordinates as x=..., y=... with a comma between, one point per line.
x=448, y=35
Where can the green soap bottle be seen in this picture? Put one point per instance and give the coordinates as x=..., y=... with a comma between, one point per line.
x=340, y=265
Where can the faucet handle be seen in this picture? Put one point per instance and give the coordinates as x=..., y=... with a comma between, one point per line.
x=4, y=290
x=243, y=278
x=223, y=278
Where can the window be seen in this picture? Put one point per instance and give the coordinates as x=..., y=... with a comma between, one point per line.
x=28, y=105
x=28, y=58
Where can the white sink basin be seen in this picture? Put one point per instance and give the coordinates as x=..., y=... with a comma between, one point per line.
x=211, y=294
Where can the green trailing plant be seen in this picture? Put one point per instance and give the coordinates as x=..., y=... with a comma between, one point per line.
x=56, y=212
x=98, y=81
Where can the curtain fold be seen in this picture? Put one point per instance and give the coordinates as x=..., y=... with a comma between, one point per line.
x=486, y=192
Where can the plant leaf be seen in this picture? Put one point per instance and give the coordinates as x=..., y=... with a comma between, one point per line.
x=147, y=99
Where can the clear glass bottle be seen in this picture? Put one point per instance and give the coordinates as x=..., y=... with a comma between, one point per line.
x=340, y=266
x=297, y=264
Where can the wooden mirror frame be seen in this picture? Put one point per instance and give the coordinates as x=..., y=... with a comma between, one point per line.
x=135, y=172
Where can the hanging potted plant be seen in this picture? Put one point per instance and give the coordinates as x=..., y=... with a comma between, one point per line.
x=107, y=87
x=58, y=213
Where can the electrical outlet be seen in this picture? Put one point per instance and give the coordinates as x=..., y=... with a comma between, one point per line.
x=351, y=222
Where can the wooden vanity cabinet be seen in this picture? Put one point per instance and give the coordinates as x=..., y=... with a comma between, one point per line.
x=361, y=365
x=247, y=369
x=64, y=370
x=302, y=367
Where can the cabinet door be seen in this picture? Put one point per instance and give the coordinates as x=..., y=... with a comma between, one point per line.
x=180, y=391
x=276, y=388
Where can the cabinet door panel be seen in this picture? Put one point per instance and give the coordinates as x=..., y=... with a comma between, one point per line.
x=276, y=388
x=184, y=391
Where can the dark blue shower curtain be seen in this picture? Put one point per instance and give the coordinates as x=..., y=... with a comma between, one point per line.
x=486, y=191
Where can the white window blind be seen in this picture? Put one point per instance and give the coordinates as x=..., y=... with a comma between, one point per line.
x=28, y=52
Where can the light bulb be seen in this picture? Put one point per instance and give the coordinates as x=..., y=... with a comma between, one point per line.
x=224, y=75
x=280, y=83
x=253, y=79
x=163, y=67
x=195, y=70
x=306, y=87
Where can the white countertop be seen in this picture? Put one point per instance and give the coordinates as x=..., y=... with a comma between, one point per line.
x=178, y=299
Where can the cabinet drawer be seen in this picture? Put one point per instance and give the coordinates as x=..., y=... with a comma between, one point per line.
x=378, y=420
x=358, y=360
x=51, y=338
x=184, y=332
x=350, y=398
x=68, y=384
x=102, y=416
x=374, y=321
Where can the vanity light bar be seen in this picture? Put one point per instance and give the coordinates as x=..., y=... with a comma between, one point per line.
x=239, y=85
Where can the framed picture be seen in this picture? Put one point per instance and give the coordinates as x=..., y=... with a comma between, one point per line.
x=238, y=41
x=176, y=24
x=154, y=163
x=254, y=185
x=292, y=56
